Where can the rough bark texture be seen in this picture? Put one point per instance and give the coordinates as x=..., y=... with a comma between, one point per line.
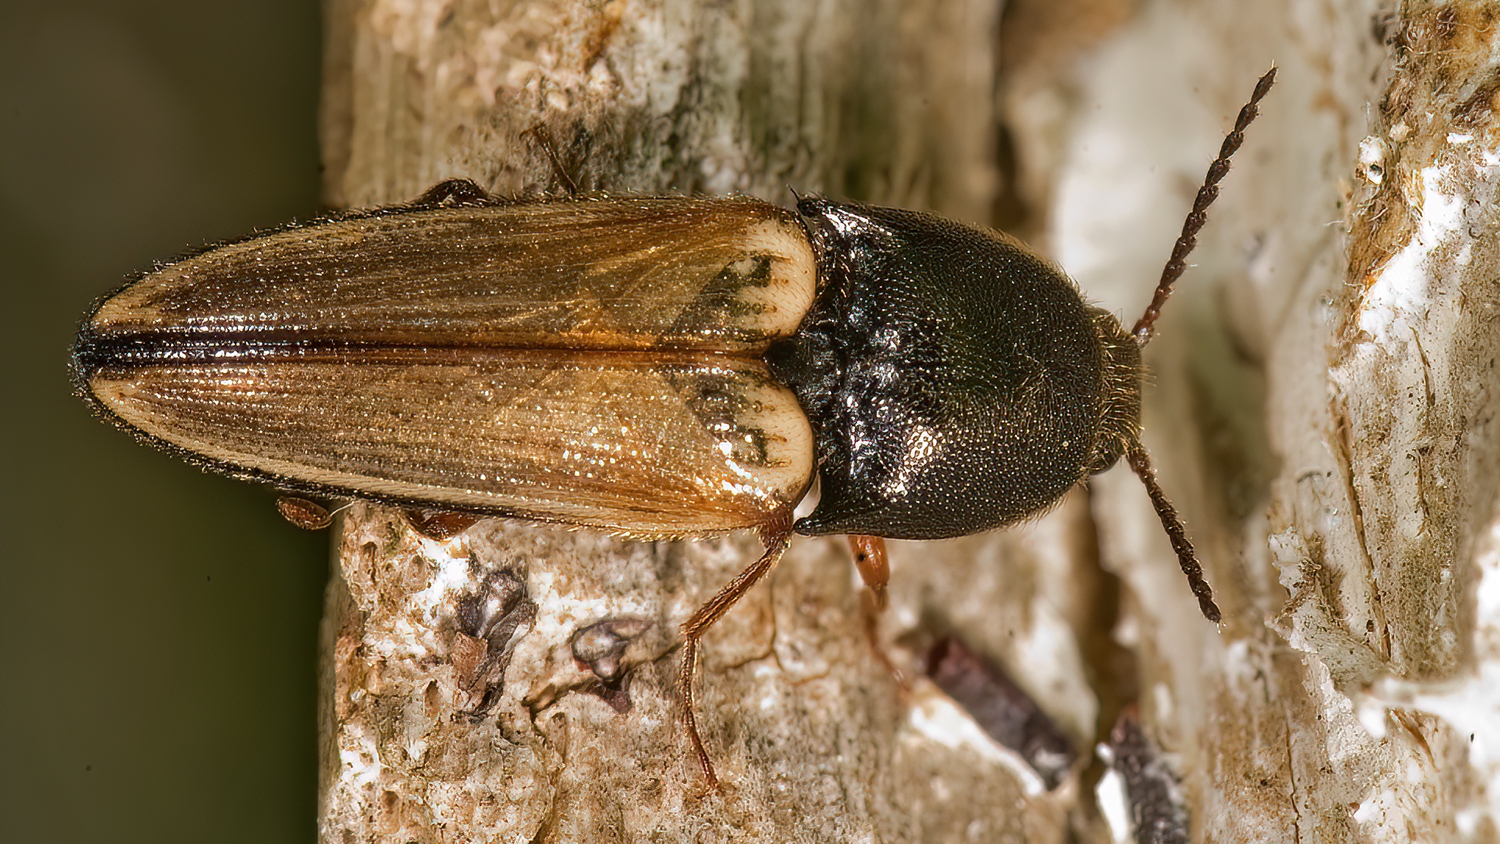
x=1323, y=411
x=892, y=102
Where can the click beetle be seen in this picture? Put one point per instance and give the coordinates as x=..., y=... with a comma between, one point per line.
x=655, y=367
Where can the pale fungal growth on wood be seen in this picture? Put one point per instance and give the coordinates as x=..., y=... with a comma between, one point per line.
x=1323, y=413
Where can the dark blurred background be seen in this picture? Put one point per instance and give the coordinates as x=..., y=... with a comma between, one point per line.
x=158, y=632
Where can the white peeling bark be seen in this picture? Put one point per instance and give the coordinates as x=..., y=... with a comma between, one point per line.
x=1324, y=403
x=1322, y=410
x=1384, y=550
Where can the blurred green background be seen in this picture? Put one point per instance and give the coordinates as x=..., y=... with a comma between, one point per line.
x=158, y=636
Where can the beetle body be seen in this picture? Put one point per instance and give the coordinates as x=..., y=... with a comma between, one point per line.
x=655, y=367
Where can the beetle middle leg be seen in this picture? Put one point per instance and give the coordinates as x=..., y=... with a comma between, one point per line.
x=776, y=536
x=438, y=524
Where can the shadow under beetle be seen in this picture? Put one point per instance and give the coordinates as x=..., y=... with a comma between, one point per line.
x=657, y=367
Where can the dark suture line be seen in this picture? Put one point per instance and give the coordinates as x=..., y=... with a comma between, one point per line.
x=1177, y=264
x=120, y=354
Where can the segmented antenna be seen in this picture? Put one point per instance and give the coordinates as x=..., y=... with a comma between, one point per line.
x=1177, y=264
x=1140, y=463
x=1176, y=532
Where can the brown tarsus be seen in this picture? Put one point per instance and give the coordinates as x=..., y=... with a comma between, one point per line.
x=1144, y=327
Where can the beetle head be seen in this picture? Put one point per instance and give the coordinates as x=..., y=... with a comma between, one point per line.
x=1121, y=374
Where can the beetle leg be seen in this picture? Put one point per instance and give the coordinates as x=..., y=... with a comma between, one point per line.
x=873, y=565
x=543, y=138
x=304, y=512
x=438, y=524
x=776, y=536
x=453, y=192
x=308, y=514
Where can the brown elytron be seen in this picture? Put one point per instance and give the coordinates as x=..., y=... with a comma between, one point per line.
x=445, y=357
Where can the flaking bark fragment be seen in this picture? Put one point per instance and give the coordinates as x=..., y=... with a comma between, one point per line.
x=490, y=621
x=1001, y=708
x=1157, y=814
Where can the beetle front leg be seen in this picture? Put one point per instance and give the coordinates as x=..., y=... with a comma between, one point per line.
x=874, y=567
x=873, y=564
x=776, y=536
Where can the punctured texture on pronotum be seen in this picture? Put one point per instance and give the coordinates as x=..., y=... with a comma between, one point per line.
x=956, y=380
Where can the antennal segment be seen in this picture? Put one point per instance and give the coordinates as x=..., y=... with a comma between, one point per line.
x=1177, y=264
x=1140, y=463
